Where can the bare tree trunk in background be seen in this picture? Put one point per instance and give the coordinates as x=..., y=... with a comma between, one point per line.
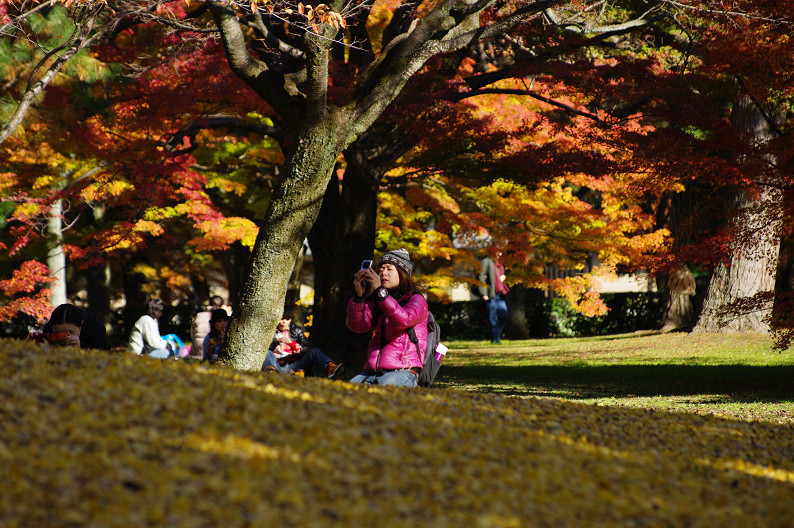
x=56, y=259
x=752, y=266
x=98, y=290
x=234, y=260
x=681, y=288
x=291, y=301
x=343, y=236
x=516, y=327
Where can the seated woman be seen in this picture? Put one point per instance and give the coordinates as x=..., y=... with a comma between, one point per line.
x=145, y=338
x=290, y=352
x=389, y=302
x=219, y=320
x=70, y=325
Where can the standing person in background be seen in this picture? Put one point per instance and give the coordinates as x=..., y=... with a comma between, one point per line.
x=145, y=337
x=201, y=326
x=389, y=302
x=492, y=273
x=70, y=325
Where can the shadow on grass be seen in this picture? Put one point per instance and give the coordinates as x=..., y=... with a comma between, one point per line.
x=771, y=384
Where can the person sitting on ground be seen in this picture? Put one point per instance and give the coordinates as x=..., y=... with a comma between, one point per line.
x=290, y=352
x=389, y=302
x=145, y=338
x=70, y=325
x=218, y=322
x=201, y=325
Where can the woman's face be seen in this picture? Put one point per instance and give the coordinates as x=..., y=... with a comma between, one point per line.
x=389, y=277
x=283, y=324
x=220, y=325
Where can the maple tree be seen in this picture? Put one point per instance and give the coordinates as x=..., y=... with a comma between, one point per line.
x=684, y=86
x=326, y=74
x=136, y=201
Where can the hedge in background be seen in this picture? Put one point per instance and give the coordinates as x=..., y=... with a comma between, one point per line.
x=628, y=312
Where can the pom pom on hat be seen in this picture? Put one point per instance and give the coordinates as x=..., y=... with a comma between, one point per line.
x=398, y=257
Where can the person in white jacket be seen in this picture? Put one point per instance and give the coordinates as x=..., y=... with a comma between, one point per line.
x=145, y=337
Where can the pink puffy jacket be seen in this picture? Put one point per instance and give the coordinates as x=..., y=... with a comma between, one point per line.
x=398, y=350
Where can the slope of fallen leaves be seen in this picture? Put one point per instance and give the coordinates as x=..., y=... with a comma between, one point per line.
x=98, y=439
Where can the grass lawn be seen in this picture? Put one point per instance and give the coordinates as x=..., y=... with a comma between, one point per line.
x=728, y=375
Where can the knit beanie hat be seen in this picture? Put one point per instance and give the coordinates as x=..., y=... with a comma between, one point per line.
x=398, y=257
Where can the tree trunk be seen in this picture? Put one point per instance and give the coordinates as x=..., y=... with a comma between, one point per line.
x=292, y=211
x=56, y=259
x=342, y=237
x=753, y=262
x=98, y=293
x=680, y=312
x=234, y=261
x=293, y=296
x=516, y=327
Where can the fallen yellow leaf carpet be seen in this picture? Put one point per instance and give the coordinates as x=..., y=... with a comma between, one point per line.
x=114, y=440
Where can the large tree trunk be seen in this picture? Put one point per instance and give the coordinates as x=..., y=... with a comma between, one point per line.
x=286, y=224
x=320, y=131
x=343, y=236
x=753, y=260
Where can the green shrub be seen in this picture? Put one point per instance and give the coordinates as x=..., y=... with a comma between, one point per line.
x=628, y=312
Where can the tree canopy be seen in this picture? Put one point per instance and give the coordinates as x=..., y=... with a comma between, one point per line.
x=172, y=129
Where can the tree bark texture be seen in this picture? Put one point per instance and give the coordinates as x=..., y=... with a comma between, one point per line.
x=292, y=211
x=342, y=237
x=56, y=259
x=752, y=267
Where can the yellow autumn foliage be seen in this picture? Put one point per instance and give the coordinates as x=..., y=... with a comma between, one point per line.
x=110, y=439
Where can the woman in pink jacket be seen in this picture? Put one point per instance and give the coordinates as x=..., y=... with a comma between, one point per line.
x=388, y=301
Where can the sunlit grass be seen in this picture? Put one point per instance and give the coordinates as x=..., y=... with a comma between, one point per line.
x=727, y=375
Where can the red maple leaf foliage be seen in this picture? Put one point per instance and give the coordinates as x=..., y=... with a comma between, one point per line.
x=27, y=291
x=103, y=149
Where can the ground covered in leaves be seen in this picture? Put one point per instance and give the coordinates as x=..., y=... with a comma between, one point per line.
x=99, y=439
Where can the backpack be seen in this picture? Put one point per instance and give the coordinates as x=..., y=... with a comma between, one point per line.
x=431, y=364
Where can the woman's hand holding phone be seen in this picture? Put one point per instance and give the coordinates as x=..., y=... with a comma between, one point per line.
x=366, y=280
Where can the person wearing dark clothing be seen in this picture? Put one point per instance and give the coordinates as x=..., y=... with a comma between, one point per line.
x=219, y=320
x=290, y=352
x=70, y=325
x=492, y=273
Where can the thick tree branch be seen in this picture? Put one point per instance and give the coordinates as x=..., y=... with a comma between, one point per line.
x=495, y=29
x=268, y=84
x=233, y=123
x=406, y=54
x=401, y=20
x=317, y=60
x=479, y=81
x=273, y=40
